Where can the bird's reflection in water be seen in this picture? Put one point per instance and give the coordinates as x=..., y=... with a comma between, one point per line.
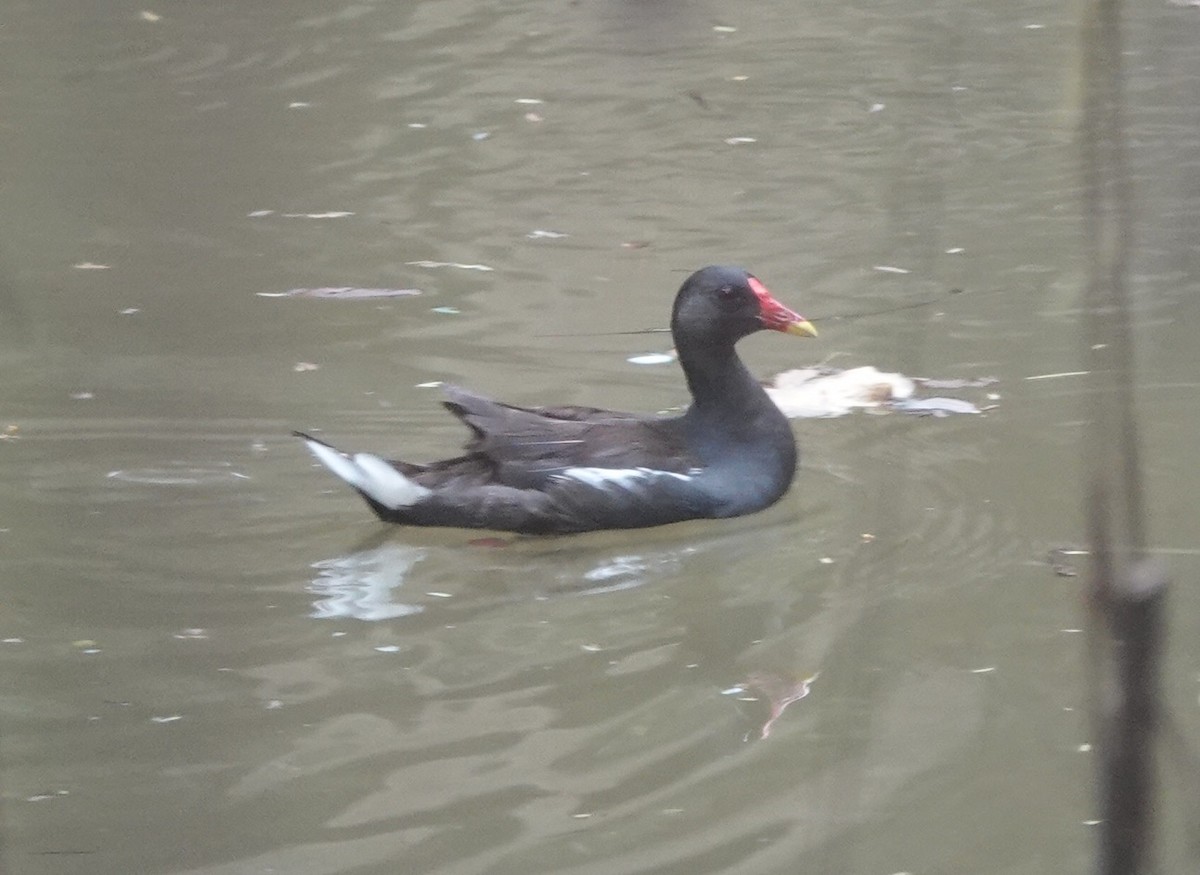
x=363, y=584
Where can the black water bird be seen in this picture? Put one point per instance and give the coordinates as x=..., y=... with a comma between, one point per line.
x=547, y=470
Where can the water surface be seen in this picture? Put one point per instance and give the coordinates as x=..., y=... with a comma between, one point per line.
x=216, y=662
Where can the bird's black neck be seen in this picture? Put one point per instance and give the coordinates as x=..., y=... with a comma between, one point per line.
x=722, y=388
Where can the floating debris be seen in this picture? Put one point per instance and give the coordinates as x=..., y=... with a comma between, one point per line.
x=446, y=311
x=935, y=406
x=147, y=15
x=388, y=648
x=1060, y=374
x=332, y=214
x=779, y=691
x=821, y=392
x=418, y=126
x=42, y=797
x=191, y=635
x=342, y=293
x=529, y=101
x=960, y=383
x=955, y=250
x=91, y=265
x=737, y=141
x=82, y=396
x=724, y=28
x=302, y=367
x=480, y=135
x=635, y=244
x=877, y=107
x=533, y=117
x=540, y=234
x=432, y=384
x=458, y=264
x=171, y=719
x=652, y=358
x=299, y=104
x=1060, y=562
x=129, y=311
x=887, y=268
x=815, y=392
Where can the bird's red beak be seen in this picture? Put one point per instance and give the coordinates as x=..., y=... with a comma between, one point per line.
x=777, y=317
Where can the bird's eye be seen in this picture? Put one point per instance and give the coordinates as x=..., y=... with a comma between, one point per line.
x=730, y=297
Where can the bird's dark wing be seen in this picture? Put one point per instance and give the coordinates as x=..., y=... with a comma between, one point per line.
x=584, y=499
x=529, y=446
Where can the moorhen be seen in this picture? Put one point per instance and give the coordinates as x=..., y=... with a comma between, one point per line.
x=540, y=470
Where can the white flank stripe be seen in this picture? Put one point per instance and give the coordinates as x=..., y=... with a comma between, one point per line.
x=372, y=475
x=625, y=478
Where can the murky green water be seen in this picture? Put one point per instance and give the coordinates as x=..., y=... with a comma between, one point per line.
x=216, y=662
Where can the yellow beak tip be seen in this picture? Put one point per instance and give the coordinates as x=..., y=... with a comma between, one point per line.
x=802, y=328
